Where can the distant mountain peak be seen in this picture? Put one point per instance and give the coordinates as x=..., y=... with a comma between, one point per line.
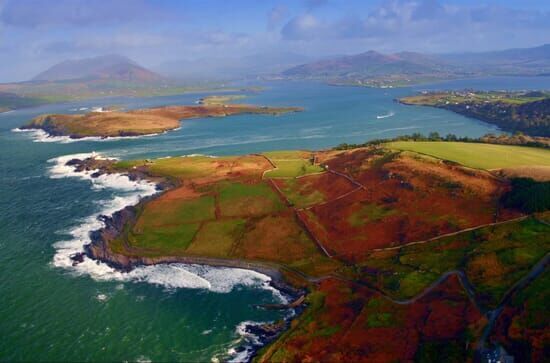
x=370, y=62
x=110, y=66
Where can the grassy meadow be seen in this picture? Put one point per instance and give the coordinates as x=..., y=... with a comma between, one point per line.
x=291, y=164
x=477, y=155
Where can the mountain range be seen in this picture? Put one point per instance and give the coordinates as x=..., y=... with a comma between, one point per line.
x=528, y=61
x=115, y=75
x=370, y=63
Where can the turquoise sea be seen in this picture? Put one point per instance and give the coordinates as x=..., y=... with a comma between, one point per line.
x=51, y=311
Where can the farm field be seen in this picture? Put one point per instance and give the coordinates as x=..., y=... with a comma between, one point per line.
x=392, y=245
x=477, y=155
x=291, y=164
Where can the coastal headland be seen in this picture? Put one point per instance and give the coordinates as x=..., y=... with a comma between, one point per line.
x=526, y=112
x=404, y=255
x=143, y=121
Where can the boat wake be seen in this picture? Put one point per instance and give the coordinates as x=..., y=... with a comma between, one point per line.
x=389, y=114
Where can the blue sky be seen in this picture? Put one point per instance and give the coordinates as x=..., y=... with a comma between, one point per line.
x=35, y=34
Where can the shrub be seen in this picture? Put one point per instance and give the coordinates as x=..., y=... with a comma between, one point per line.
x=528, y=195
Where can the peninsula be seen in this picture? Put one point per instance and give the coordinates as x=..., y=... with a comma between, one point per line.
x=404, y=255
x=527, y=112
x=140, y=122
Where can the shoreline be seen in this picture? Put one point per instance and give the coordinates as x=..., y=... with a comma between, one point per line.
x=255, y=335
x=40, y=135
x=50, y=133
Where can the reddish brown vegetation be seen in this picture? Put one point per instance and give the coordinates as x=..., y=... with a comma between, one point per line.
x=404, y=199
x=330, y=185
x=359, y=325
x=527, y=344
x=140, y=122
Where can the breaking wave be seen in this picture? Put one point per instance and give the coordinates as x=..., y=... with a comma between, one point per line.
x=39, y=135
x=171, y=276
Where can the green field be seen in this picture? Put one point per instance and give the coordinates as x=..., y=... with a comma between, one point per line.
x=164, y=238
x=216, y=238
x=291, y=164
x=479, y=156
x=300, y=194
x=188, y=211
x=238, y=199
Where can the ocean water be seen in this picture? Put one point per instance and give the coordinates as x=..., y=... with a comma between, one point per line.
x=51, y=311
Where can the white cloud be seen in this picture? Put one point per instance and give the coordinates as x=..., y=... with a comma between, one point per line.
x=305, y=26
x=427, y=24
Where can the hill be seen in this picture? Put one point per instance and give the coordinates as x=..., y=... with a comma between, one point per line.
x=370, y=63
x=405, y=257
x=112, y=67
x=510, y=61
x=373, y=68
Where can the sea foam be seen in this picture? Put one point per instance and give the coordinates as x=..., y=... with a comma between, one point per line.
x=171, y=276
x=39, y=135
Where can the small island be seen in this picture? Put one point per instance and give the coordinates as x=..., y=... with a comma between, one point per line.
x=408, y=250
x=141, y=122
x=220, y=100
x=527, y=112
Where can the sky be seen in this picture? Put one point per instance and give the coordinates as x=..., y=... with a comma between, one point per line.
x=35, y=34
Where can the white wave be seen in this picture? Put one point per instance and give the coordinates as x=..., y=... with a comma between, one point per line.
x=174, y=275
x=241, y=330
x=250, y=340
x=39, y=135
x=389, y=114
x=101, y=297
x=143, y=359
x=198, y=155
